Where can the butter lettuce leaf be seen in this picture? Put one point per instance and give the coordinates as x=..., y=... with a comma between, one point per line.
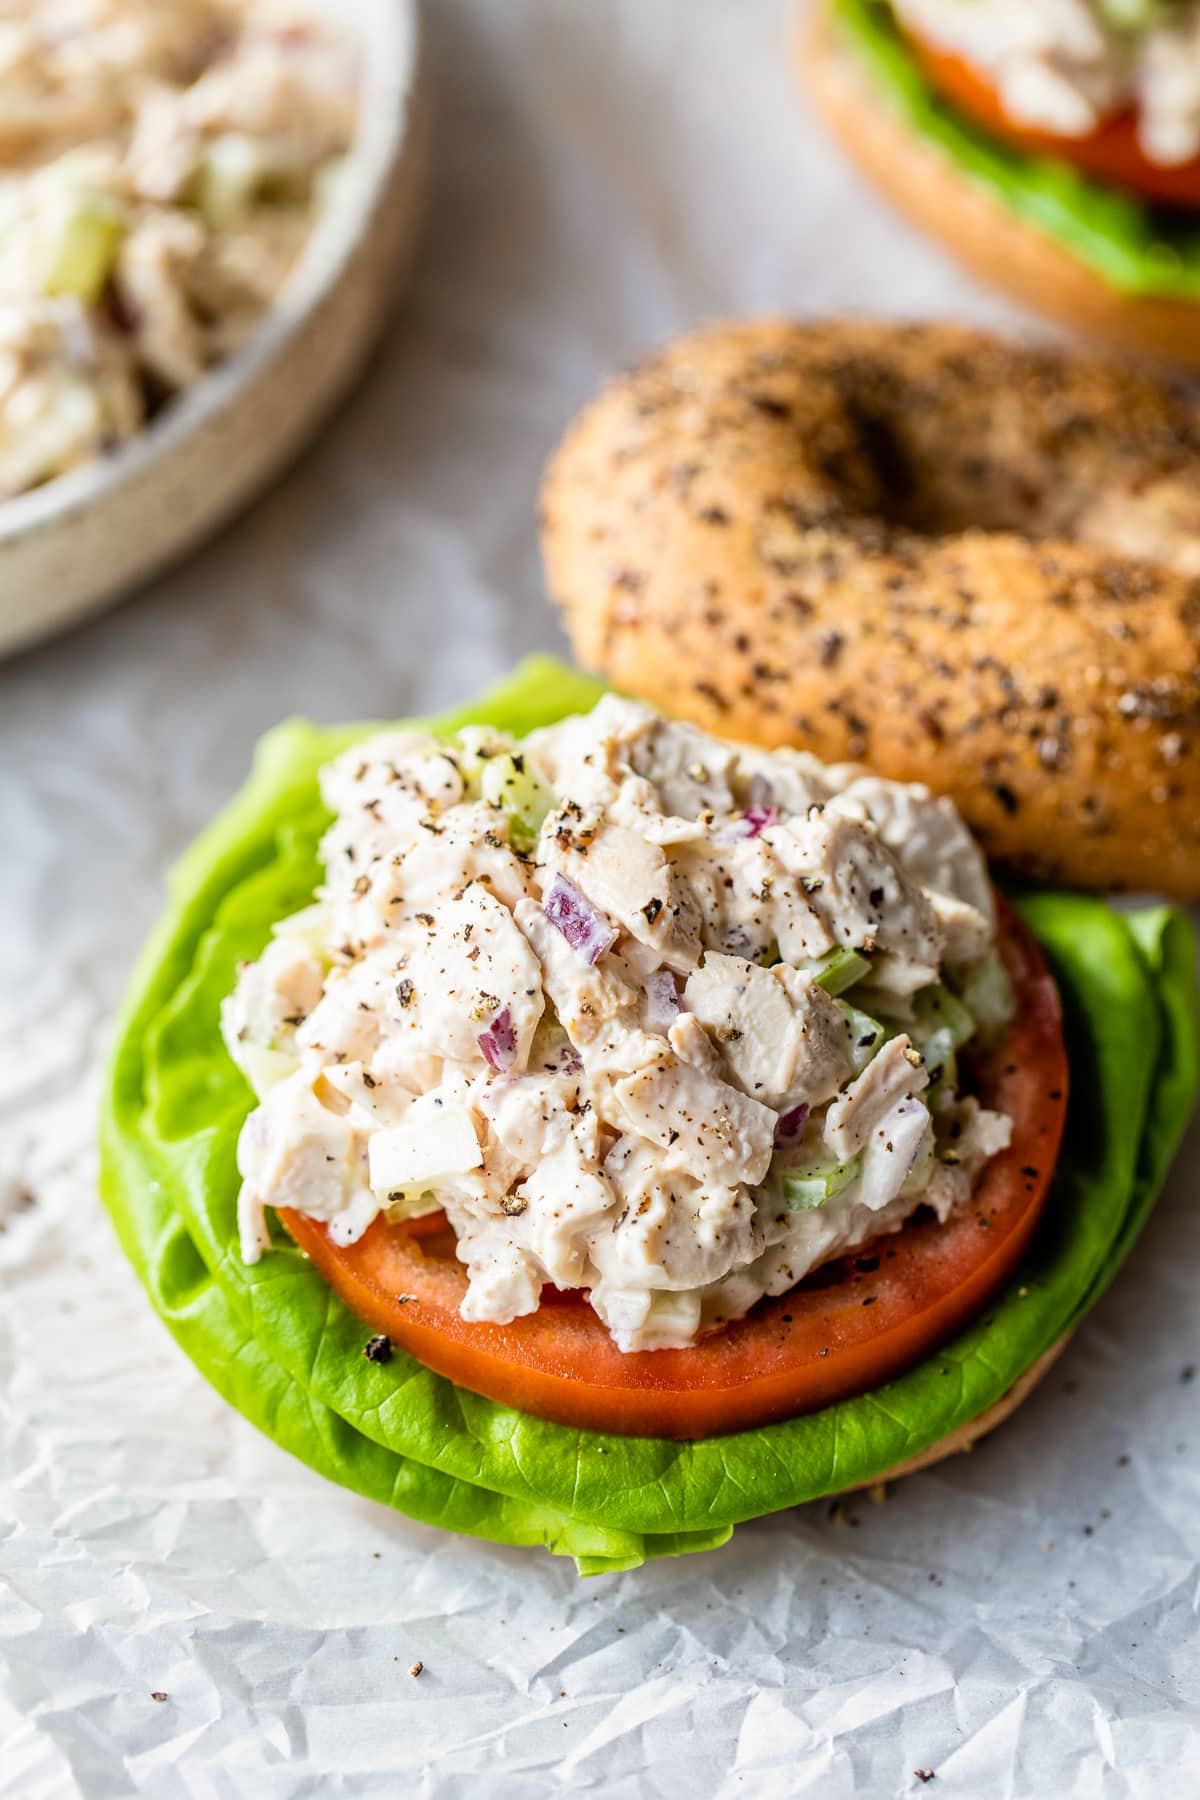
x=283, y=1349
x=1135, y=247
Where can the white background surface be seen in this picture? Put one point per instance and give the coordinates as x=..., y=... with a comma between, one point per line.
x=1022, y=1622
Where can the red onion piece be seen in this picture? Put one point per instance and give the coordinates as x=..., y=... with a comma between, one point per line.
x=759, y=792
x=754, y=820
x=662, y=1002
x=791, y=1124
x=586, y=930
x=498, y=1042
x=126, y=316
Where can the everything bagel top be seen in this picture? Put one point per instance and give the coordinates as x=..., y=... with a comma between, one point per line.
x=963, y=561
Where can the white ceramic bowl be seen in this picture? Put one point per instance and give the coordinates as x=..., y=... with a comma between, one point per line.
x=80, y=542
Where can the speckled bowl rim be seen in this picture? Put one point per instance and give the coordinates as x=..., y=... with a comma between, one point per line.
x=389, y=32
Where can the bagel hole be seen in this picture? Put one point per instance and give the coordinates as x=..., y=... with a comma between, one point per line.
x=939, y=494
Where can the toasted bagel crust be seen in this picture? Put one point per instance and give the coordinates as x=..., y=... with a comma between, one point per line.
x=1003, y=250
x=962, y=561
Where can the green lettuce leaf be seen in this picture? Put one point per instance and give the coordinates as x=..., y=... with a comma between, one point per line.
x=288, y=1354
x=1135, y=247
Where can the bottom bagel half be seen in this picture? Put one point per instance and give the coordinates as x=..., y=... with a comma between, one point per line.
x=288, y=1352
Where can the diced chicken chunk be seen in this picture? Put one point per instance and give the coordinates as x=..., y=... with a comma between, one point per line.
x=472, y=966
x=505, y=1281
x=674, y=1231
x=890, y=1152
x=562, y=1202
x=689, y=771
x=535, y=1116
x=782, y=1038
x=974, y=1134
x=632, y=883
x=704, y=1127
x=895, y=1074
x=865, y=897
x=928, y=836
x=585, y=996
x=272, y=998
x=692, y=1044
x=347, y=1020
x=297, y=1152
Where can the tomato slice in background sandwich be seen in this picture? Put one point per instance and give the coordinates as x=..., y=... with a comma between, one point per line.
x=1112, y=153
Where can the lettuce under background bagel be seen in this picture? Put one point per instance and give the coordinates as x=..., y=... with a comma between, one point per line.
x=960, y=560
x=289, y=1354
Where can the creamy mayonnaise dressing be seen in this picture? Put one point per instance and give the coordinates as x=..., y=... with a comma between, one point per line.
x=648, y=1013
x=1064, y=65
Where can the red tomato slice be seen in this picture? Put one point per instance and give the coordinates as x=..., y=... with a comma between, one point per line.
x=1111, y=153
x=845, y=1329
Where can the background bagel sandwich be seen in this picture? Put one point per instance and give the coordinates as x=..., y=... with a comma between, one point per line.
x=1044, y=179
x=959, y=560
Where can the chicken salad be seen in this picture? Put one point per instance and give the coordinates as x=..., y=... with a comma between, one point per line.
x=646, y=1013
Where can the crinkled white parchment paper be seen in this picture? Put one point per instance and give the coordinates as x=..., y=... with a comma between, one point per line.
x=1022, y=1622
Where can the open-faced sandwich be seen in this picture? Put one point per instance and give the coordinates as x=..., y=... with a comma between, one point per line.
x=578, y=1127
x=1055, y=148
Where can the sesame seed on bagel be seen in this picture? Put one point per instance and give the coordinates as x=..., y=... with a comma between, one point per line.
x=964, y=561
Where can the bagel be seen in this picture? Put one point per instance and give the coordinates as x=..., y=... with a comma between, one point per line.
x=957, y=1443
x=963, y=561
x=998, y=244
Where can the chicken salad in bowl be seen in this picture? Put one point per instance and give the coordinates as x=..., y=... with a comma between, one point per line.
x=244, y=306
x=162, y=164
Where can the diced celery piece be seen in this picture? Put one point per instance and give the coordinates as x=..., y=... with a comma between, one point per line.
x=941, y=1063
x=865, y=1035
x=263, y=1068
x=806, y=1189
x=551, y=1047
x=474, y=747
x=921, y=1173
x=415, y=1203
x=987, y=991
x=83, y=231
x=309, y=927
x=839, y=969
x=229, y=178
x=1133, y=15
x=937, y=1009
x=327, y=186
x=63, y=431
x=673, y=1318
x=508, y=781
